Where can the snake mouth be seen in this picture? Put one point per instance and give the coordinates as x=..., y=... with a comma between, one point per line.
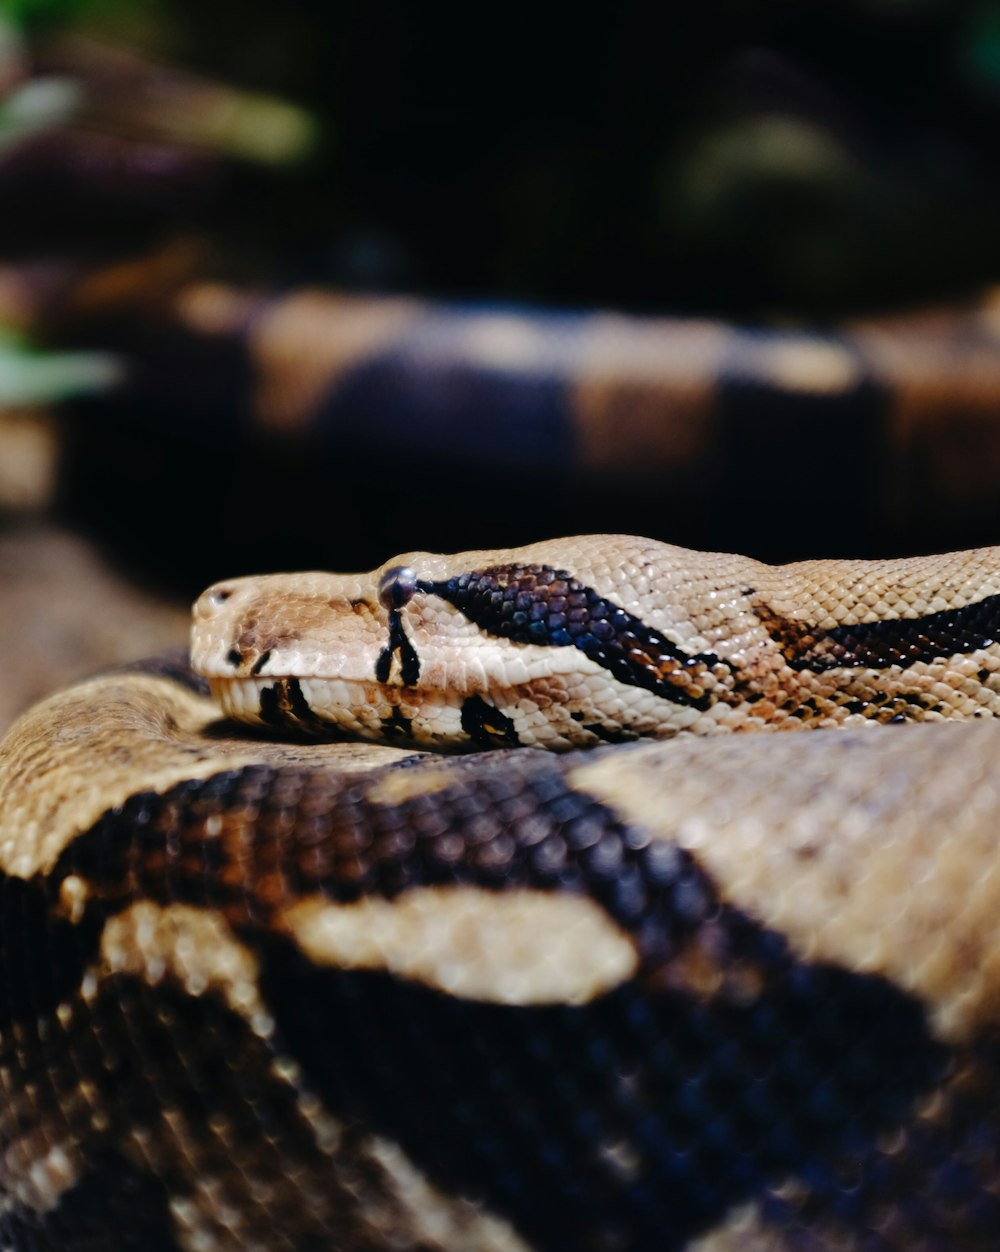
x=328, y=707
x=553, y=714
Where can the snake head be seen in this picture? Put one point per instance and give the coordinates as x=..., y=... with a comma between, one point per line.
x=541, y=645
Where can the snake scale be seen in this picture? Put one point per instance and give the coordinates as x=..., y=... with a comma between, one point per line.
x=667, y=988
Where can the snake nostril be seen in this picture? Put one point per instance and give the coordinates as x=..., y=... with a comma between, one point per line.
x=216, y=597
x=397, y=587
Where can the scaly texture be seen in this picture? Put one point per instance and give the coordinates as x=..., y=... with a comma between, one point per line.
x=706, y=995
x=604, y=638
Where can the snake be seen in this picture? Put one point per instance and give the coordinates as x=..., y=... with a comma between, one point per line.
x=498, y=902
x=694, y=428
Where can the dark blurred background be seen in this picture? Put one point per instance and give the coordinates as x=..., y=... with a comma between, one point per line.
x=728, y=158
x=780, y=179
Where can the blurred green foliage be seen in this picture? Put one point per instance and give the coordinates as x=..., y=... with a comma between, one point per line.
x=980, y=49
x=25, y=13
x=31, y=377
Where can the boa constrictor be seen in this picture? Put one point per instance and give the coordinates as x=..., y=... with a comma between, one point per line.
x=726, y=992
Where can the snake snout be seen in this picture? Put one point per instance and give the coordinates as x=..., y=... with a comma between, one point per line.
x=226, y=637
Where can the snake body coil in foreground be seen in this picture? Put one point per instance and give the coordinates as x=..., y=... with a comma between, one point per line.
x=727, y=992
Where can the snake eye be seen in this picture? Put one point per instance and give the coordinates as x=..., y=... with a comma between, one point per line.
x=215, y=597
x=397, y=586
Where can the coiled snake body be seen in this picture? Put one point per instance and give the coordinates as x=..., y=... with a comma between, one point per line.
x=724, y=992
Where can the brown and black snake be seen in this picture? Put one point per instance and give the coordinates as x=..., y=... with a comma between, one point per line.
x=513, y=421
x=727, y=991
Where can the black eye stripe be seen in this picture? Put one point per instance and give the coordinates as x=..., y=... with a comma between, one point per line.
x=541, y=605
x=409, y=660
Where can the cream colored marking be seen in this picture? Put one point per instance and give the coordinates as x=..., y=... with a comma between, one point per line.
x=806, y=365
x=189, y=946
x=381, y=1200
x=442, y=1220
x=40, y=1182
x=400, y=785
x=304, y=343
x=510, y=947
x=215, y=309
x=499, y=341
x=876, y=852
x=63, y=763
x=746, y=1230
x=73, y=896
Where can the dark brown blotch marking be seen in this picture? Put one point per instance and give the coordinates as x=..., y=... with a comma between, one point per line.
x=725, y=1027
x=397, y=725
x=895, y=641
x=261, y=661
x=606, y=734
x=486, y=725
x=258, y=632
x=724, y=1024
x=283, y=705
